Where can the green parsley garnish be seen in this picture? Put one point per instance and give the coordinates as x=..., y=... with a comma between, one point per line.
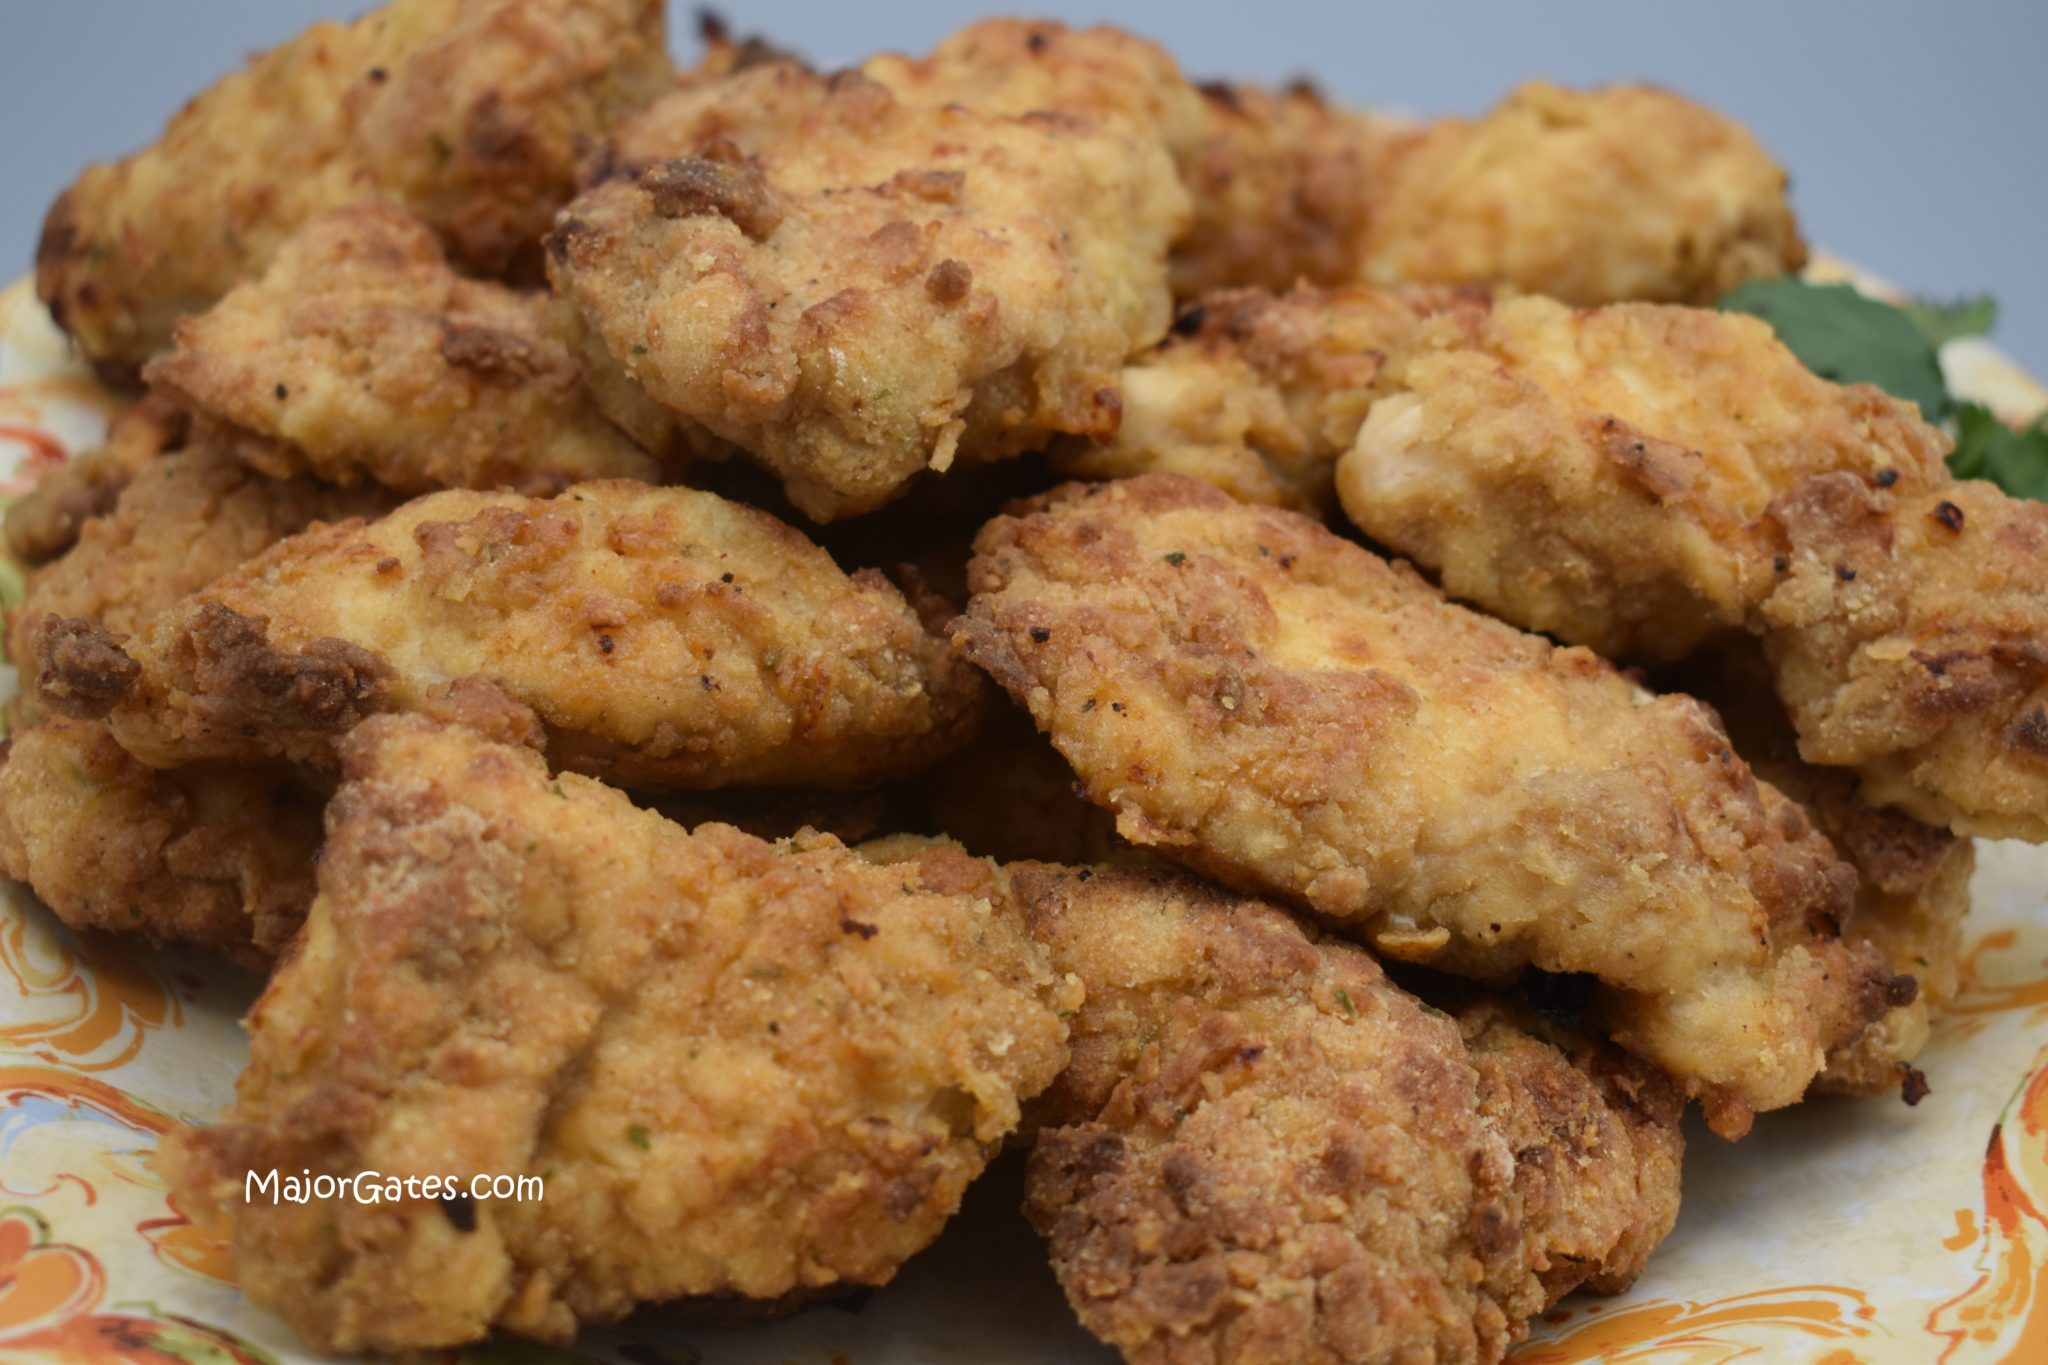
x=1848, y=337
x=636, y=1133
x=1851, y=338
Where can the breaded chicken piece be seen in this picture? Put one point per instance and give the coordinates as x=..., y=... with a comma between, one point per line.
x=45, y=521
x=1263, y=1150
x=1599, y=475
x=1640, y=479
x=739, y=1068
x=362, y=354
x=470, y=114
x=184, y=520
x=667, y=637
x=220, y=855
x=1285, y=184
x=1908, y=634
x=1912, y=879
x=1589, y=196
x=1258, y=394
x=854, y=288
x=1286, y=711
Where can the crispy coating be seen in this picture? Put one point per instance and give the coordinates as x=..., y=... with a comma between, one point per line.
x=1284, y=184
x=220, y=855
x=1265, y=1151
x=740, y=1068
x=1591, y=197
x=854, y=288
x=362, y=354
x=1258, y=394
x=1640, y=479
x=1909, y=638
x=45, y=521
x=184, y=520
x=468, y=113
x=667, y=637
x=1912, y=879
x=1599, y=475
x=1020, y=67
x=1286, y=711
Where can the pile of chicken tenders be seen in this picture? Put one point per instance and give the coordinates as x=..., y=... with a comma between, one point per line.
x=745, y=638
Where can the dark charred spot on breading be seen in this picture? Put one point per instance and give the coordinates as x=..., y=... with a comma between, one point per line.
x=491, y=352
x=460, y=1210
x=693, y=186
x=85, y=672
x=328, y=686
x=1913, y=1086
x=933, y=187
x=2029, y=732
x=949, y=281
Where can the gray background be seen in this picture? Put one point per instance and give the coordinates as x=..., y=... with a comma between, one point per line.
x=1914, y=132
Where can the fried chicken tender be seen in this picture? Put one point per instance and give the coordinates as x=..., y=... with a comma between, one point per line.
x=45, y=521
x=1909, y=639
x=362, y=354
x=667, y=637
x=1600, y=475
x=220, y=855
x=1641, y=479
x=1285, y=184
x=1587, y=196
x=740, y=1068
x=1264, y=1151
x=854, y=288
x=470, y=114
x=1256, y=393
x=184, y=520
x=1284, y=710
x=1912, y=879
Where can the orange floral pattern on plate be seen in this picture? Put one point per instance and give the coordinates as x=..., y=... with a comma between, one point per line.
x=50, y=1295
x=86, y=1002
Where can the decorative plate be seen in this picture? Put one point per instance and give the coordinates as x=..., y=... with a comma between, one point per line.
x=1842, y=1232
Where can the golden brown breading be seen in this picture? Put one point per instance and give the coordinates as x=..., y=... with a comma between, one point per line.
x=1264, y=1151
x=1258, y=394
x=1284, y=183
x=1598, y=475
x=1909, y=638
x=220, y=855
x=1020, y=67
x=1587, y=196
x=854, y=288
x=184, y=520
x=469, y=113
x=1912, y=879
x=667, y=637
x=739, y=1067
x=361, y=353
x=1639, y=479
x=45, y=521
x=1286, y=711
